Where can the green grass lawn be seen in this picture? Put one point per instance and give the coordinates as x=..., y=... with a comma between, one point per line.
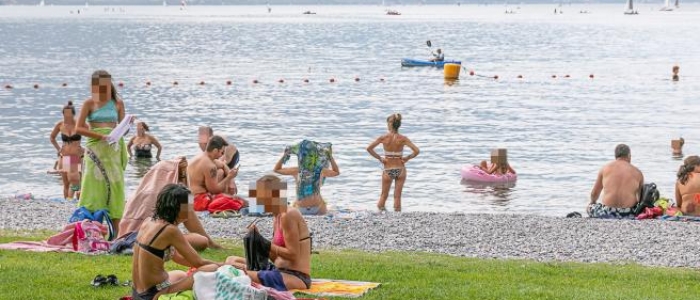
x=404, y=275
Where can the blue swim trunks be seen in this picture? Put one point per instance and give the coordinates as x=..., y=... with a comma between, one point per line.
x=272, y=278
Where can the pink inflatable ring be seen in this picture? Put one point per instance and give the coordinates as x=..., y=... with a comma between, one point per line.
x=474, y=173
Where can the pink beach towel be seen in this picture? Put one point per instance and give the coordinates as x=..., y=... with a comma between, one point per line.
x=142, y=202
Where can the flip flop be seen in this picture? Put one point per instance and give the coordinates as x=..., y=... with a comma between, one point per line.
x=98, y=281
x=225, y=214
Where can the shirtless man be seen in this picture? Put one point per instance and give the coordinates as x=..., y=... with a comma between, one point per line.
x=622, y=182
x=202, y=170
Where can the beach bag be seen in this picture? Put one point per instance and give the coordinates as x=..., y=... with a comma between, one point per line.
x=648, y=196
x=257, y=251
x=88, y=237
x=226, y=283
x=82, y=213
x=124, y=244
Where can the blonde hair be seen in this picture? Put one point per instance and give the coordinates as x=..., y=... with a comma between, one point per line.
x=395, y=120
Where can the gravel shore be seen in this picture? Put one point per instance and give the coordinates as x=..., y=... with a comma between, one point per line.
x=647, y=242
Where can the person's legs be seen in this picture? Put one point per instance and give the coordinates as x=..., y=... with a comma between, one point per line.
x=66, y=185
x=183, y=282
x=194, y=225
x=236, y=261
x=197, y=241
x=398, y=188
x=115, y=222
x=386, y=184
x=484, y=165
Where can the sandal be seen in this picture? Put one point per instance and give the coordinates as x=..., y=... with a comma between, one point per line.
x=225, y=214
x=98, y=281
x=112, y=280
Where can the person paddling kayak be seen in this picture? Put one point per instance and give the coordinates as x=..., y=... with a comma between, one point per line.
x=439, y=56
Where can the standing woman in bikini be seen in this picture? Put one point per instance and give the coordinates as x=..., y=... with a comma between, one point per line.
x=393, y=160
x=70, y=153
x=103, y=175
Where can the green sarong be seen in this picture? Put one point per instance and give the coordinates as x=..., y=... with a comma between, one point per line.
x=97, y=191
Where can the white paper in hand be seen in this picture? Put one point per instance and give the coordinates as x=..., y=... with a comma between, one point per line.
x=121, y=129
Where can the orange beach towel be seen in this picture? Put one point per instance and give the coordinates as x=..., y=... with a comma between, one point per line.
x=338, y=288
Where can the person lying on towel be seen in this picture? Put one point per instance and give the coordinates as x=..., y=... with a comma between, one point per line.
x=290, y=250
x=209, y=177
x=158, y=241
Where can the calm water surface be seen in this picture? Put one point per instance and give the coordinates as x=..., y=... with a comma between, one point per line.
x=558, y=132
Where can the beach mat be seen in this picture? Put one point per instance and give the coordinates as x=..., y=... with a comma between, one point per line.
x=36, y=247
x=338, y=288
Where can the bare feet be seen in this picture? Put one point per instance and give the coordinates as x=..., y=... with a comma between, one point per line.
x=214, y=245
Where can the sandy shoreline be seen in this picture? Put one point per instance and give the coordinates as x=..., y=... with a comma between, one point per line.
x=647, y=242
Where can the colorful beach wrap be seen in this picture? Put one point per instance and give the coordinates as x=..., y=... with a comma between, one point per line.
x=312, y=157
x=104, y=160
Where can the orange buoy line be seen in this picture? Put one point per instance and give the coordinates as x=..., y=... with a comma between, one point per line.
x=356, y=78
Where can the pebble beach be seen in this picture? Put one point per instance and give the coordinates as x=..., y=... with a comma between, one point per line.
x=496, y=236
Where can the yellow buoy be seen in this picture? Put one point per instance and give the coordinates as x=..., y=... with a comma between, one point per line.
x=452, y=71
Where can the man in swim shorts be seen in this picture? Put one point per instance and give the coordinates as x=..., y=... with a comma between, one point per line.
x=203, y=171
x=622, y=183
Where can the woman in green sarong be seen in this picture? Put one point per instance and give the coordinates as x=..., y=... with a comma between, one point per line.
x=104, y=164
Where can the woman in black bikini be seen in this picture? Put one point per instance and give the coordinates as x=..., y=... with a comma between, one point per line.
x=70, y=153
x=393, y=160
x=143, y=142
x=158, y=240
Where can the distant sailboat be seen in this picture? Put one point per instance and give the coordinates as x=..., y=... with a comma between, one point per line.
x=165, y=3
x=42, y=3
x=630, y=9
x=677, y=4
x=86, y=4
x=666, y=7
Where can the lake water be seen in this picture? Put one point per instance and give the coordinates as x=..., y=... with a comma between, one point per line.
x=558, y=131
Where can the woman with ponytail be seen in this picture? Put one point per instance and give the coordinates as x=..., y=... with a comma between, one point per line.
x=688, y=186
x=393, y=160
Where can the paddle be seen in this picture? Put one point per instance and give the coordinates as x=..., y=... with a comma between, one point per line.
x=430, y=47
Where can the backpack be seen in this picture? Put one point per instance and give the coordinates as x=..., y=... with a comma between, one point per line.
x=82, y=213
x=88, y=237
x=648, y=196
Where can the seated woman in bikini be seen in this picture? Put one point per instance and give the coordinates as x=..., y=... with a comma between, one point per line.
x=393, y=160
x=159, y=240
x=688, y=186
x=313, y=204
x=290, y=250
x=143, y=142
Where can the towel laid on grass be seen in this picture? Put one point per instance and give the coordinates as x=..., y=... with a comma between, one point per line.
x=338, y=288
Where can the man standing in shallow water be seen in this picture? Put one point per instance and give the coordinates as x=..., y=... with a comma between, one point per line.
x=622, y=183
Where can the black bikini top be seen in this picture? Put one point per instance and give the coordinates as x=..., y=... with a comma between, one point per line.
x=73, y=138
x=157, y=252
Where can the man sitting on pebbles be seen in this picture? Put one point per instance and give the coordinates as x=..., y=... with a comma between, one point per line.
x=622, y=183
x=207, y=180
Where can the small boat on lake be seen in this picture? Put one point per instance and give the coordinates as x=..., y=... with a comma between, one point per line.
x=410, y=62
